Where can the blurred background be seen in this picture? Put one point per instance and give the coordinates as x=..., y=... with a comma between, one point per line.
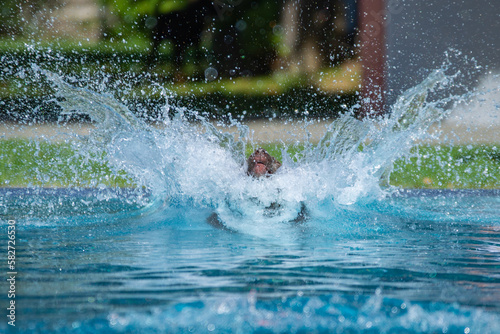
x=261, y=62
x=253, y=58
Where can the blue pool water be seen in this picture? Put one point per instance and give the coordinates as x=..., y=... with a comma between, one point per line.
x=418, y=261
x=366, y=258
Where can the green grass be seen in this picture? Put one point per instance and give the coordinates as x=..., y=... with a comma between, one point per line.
x=437, y=167
x=340, y=81
x=120, y=60
x=343, y=79
x=452, y=167
x=69, y=47
x=41, y=163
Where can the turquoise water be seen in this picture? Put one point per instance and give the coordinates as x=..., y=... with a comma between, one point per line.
x=417, y=262
x=364, y=257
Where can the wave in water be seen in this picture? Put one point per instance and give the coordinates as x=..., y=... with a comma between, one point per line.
x=188, y=161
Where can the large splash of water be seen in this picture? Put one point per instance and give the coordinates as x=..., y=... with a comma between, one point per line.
x=187, y=161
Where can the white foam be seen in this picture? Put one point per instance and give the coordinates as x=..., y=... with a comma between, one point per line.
x=204, y=166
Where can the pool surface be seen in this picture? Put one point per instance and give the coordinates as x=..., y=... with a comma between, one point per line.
x=324, y=245
x=418, y=261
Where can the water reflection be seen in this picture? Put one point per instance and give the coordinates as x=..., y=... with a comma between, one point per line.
x=123, y=267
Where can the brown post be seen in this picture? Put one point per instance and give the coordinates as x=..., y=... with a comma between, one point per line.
x=372, y=54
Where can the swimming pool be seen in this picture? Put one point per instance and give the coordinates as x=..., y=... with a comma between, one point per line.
x=368, y=257
x=419, y=261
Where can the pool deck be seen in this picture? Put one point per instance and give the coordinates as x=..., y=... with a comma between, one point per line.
x=454, y=131
x=475, y=122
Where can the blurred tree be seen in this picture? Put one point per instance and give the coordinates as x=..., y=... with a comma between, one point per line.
x=242, y=34
x=183, y=26
x=318, y=32
x=180, y=21
x=9, y=18
x=246, y=37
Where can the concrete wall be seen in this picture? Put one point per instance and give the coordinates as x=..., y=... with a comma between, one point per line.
x=420, y=32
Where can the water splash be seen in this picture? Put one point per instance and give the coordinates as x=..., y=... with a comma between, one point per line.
x=188, y=160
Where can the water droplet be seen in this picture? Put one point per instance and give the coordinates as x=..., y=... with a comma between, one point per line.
x=211, y=74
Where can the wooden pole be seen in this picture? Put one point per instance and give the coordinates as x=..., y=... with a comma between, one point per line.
x=373, y=57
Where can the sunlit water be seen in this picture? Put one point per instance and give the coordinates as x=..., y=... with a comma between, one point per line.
x=363, y=257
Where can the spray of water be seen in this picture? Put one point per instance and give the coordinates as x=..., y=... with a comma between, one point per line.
x=188, y=161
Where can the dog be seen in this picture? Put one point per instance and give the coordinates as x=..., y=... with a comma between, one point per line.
x=260, y=163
